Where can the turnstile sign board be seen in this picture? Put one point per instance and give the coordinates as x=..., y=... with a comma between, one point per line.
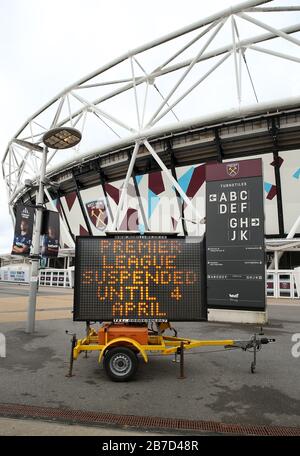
x=235, y=235
x=136, y=279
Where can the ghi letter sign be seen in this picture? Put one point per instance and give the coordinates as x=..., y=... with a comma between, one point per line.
x=235, y=235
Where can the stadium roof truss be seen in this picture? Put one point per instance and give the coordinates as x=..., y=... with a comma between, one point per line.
x=149, y=93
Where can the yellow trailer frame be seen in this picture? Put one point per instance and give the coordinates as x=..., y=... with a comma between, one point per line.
x=166, y=345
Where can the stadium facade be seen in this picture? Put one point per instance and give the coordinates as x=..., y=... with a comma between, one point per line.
x=152, y=203
x=86, y=186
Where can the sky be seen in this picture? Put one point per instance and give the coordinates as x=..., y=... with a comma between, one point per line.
x=46, y=45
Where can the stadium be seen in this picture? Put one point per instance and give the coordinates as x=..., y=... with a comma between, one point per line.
x=151, y=119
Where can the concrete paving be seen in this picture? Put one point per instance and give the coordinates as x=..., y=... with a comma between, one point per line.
x=52, y=303
x=20, y=427
x=218, y=387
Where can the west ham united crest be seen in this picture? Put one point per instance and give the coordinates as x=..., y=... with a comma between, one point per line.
x=98, y=214
x=232, y=169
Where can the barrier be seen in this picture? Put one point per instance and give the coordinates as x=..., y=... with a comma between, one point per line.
x=297, y=279
x=280, y=283
x=54, y=278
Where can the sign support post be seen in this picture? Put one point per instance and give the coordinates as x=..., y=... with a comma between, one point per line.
x=33, y=286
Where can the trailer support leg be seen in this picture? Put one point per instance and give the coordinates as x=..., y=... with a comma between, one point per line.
x=88, y=330
x=73, y=344
x=253, y=364
x=181, y=351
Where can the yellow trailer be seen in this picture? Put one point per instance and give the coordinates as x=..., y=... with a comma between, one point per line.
x=119, y=346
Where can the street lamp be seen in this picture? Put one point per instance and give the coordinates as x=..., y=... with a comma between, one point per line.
x=61, y=138
x=56, y=138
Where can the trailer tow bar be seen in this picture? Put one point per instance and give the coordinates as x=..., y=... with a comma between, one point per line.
x=254, y=343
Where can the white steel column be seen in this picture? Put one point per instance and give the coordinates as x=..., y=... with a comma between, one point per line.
x=172, y=180
x=102, y=113
x=186, y=72
x=135, y=95
x=276, y=260
x=269, y=28
x=237, y=75
x=294, y=228
x=281, y=55
x=290, y=235
x=187, y=92
x=125, y=185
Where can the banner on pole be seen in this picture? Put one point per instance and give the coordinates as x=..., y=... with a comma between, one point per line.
x=23, y=230
x=51, y=233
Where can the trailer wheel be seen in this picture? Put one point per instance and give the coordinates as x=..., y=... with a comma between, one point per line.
x=120, y=363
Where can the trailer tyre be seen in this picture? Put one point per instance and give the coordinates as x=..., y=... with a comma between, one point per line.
x=120, y=363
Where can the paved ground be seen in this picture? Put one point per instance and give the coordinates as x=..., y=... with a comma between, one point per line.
x=218, y=386
x=52, y=303
x=19, y=427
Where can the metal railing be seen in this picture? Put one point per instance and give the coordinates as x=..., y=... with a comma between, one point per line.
x=280, y=283
x=54, y=277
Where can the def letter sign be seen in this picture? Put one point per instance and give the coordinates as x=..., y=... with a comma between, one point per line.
x=235, y=235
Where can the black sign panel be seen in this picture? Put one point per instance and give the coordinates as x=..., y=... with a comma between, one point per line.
x=139, y=279
x=235, y=236
x=51, y=233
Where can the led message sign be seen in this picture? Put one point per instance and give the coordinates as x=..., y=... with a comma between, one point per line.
x=139, y=279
